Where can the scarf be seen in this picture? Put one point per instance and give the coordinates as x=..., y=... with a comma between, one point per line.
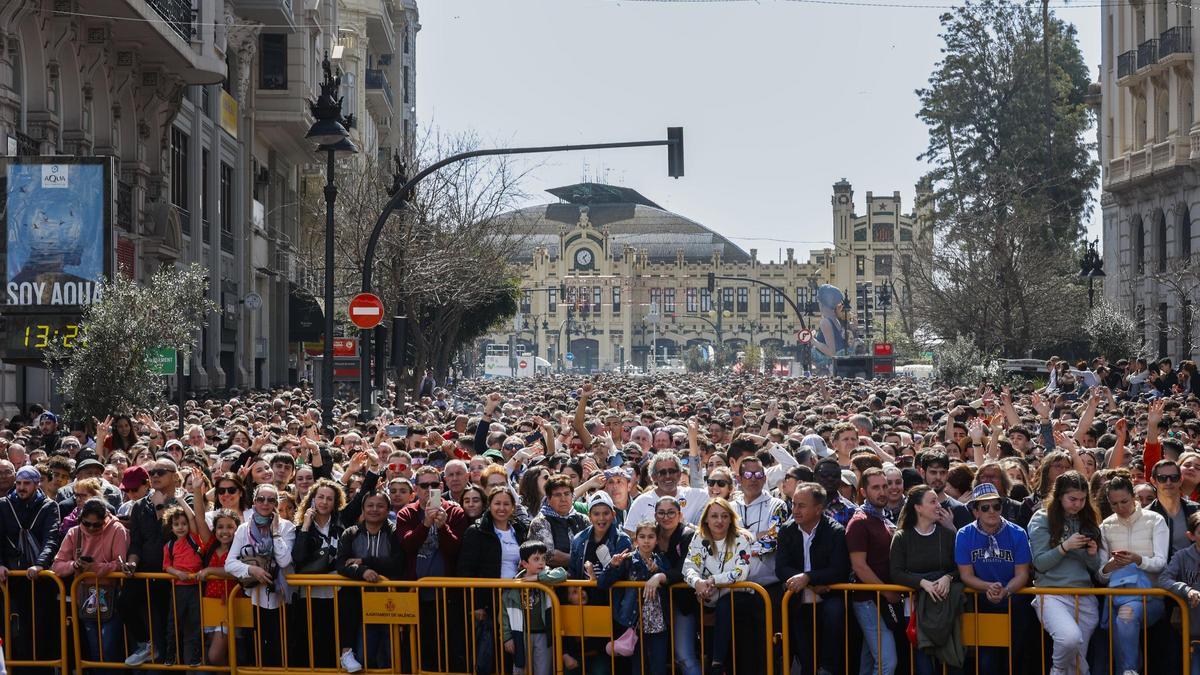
x=877, y=512
x=550, y=513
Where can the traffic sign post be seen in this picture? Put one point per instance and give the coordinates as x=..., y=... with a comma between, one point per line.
x=569, y=356
x=366, y=310
x=804, y=336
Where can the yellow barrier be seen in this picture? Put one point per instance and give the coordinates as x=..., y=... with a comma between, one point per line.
x=34, y=609
x=980, y=629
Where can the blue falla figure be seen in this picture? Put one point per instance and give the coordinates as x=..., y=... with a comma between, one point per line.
x=831, y=337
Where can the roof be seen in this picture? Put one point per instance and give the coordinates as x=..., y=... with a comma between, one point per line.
x=630, y=219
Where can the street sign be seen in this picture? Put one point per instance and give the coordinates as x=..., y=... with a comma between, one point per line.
x=161, y=360
x=345, y=348
x=804, y=336
x=366, y=311
x=883, y=349
x=523, y=365
x=253, y=302
x=569, y=356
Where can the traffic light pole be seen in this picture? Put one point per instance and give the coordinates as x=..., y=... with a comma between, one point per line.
x=712, y=285
x=674, y=142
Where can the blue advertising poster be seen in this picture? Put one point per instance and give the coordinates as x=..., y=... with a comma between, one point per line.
x=57, y=222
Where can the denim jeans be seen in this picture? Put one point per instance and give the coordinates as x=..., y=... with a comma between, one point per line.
x=686, y=631
x=878, y=655
x=653, y=650
x=378, y=647
x=102, y=640
x=1128, y=630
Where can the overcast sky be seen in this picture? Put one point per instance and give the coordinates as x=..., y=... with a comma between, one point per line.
x=779, y=99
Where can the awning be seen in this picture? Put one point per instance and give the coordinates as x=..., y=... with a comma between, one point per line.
x=306, y=321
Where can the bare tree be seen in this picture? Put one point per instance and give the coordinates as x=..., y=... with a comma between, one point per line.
x=1179, y=280
x=443, y=260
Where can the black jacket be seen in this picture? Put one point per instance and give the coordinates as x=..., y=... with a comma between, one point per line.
x=306, y=549
x=39, y=516
x=481, y=553
x=1186, y=508
x=675, y=555
x=389, y=564
x=830, y=562
x=146, y=537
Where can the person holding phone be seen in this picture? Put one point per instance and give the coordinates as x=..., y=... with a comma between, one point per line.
x=1065, y=541
x=97, y=546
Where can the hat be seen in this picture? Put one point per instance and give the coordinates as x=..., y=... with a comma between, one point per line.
x=47, y=417
x=88, y=464
x=983, y=491
x=134, y=478
x=173, y=441
x=600, y=498
x=231, y=454
x=29, y=473
x=817, y=444
x=848, y=478
x=494, y=455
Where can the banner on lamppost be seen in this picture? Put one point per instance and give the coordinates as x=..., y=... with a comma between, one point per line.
x=58, y=228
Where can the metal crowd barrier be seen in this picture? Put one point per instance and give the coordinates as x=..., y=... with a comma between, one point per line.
x=445, y=625
x=983, y=633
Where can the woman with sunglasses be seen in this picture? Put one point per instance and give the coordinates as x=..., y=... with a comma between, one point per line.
x=720, y=483
x=230, y=494
x=674, y=538
x=97, y=545
x=261, y=556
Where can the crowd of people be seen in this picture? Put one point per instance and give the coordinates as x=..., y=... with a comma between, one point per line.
x=688, y=483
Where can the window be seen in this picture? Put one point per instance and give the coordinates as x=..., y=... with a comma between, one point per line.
x=406, y=85
x=860, y=265
x=1185, y=235
x=272, y=59
x=597, y=298
x=552, y=299
x=726, y=299
x=669, y=300
x=571, y=296
x=407, y=40
x=802, y=298
x=705, y=300
x=1162, y=329
x=205, y=181
x=860, y=234
x=526, y=302
x=690, y=301
x=179, y=177
x=616, y=300
x=905, y=233
x=885, y=232
x=1139, y=246
x=743, y=300
x=764, y=300
x=883, y=265
x=779, y=302
x=1160, y=237
x=225, y=207
x=655, y=301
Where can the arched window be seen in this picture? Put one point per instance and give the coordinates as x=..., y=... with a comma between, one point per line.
x=18, y=80
x=1185, y=234
x=1160, y=241
x=1138, y=238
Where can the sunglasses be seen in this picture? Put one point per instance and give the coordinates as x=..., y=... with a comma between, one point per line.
x=92, y=524
x=1167, y=477
x=987, y=508
x=266, y=500
x=666, y=472
x=666, y=514
x=81, y=498
x=718, y=482
x=829, y=475
x=158, y=473
x=228, y=490
x=428, y=486
x=751, y=475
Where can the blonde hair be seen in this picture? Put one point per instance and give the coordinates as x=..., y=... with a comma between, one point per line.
x=734, y=527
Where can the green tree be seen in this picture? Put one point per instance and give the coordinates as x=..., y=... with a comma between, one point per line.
x=106, y=372
x=960, y=361
x=753, y=358
x=1008, y=204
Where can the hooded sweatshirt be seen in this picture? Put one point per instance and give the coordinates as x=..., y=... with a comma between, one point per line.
x=107, y=548
x=1181, y=575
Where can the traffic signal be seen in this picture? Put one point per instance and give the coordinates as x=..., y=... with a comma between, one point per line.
x=712, y=282
x=675, y=152
x=885, y=296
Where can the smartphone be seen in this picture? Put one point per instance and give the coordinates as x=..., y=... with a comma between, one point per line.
x=397, y=430
x=435, y=498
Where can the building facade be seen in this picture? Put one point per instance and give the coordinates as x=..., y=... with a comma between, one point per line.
x=1149, y=149
x=204, y=103
x=615, y=279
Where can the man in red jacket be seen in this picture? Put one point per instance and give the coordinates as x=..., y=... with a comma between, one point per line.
x=431, y=534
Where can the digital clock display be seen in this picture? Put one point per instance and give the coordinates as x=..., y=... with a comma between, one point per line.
x=28, y=337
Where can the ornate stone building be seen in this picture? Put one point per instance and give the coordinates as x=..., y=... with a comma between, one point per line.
x=598, y=263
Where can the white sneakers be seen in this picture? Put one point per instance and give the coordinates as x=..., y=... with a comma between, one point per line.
x=143, y=654
x=349, y=663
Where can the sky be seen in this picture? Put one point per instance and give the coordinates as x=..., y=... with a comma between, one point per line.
x=779, y=99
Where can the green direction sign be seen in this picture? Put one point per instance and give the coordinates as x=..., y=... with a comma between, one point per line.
x=161, y=360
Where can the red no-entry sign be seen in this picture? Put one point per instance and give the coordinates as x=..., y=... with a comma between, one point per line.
x=366, y=310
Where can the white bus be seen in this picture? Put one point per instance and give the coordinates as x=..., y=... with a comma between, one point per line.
x=497, y=364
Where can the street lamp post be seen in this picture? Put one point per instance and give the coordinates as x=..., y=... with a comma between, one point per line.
x=1091, y=268
x=330, y=134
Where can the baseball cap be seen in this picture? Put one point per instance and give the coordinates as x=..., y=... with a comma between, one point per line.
x=600, y=498
x=47, y=417
x=983, y=491
x=817, y=445
x=134, y=478
x=88, y=464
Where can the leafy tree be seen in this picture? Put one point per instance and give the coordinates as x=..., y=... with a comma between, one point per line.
x=694, y=361
x=106, y=372
x=960, y=361
x=1008, y=206
x=1112, y=332
x=753, y=358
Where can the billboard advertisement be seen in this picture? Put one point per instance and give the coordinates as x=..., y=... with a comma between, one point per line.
x=58, y=220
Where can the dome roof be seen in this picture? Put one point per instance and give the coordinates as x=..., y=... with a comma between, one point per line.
x=629, y=218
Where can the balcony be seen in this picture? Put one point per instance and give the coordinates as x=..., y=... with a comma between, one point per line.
x=179, y=38
x=1175, y=45
x=1126, y=64
x=179, y=14
x=1147, y=54
x=379, y=93
x=381, y=27
x=275, y=13
x=1151, y=162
